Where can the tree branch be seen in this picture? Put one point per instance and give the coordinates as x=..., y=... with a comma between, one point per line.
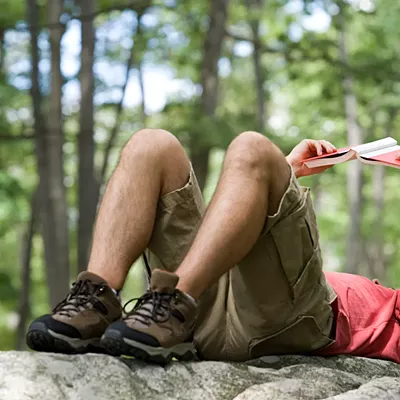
x=263, y=47
x=288, y=49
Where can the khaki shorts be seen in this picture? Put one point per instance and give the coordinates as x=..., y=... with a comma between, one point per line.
x=275, y=301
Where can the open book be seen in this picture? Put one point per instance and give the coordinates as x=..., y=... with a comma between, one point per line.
x=379, y=152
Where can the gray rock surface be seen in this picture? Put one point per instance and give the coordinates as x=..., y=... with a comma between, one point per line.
x=38, y=376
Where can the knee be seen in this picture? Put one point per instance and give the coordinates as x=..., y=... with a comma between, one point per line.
x=151, y=143
x=251, y=150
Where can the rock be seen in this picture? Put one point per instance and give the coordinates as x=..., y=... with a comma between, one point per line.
x=41, y=376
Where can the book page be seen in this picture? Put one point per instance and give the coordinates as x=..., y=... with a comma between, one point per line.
x=384, y=158
x=377, y=145
x=331, y=159
x=375, y=153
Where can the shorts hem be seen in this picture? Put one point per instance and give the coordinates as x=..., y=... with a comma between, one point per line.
x=178, y=196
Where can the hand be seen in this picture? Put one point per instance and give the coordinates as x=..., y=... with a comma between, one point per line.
x=308, y=148
x=398, y=157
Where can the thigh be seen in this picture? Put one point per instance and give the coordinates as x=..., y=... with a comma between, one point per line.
x=279, y=301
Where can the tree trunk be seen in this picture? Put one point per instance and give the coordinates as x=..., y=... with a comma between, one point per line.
x=35, y=87
x=119, y=107
x=200, y=152
x=212, y=53
x=318, y=192
x=48, y=146
x=377, y=260
x=255, y=8
x=143, y=115
x=87, y=186
x=200, y=157
x=375, y=250
x=25, y=273
x=355, y=169
x=2, y=51
x=58, y=271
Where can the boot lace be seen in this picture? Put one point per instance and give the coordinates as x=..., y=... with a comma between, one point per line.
x=82, y=296
x=151, y=307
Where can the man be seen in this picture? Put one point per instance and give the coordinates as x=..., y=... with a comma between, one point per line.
x=242, y=280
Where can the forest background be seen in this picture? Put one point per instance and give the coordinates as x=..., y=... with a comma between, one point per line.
x=77, y=78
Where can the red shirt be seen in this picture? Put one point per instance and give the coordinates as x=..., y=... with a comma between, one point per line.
x=368, y=318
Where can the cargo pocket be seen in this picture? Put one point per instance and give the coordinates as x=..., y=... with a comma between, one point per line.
x=302, y=336
x=310, y=277
x=297, y=244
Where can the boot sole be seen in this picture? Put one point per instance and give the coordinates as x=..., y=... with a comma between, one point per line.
x=39, y=338
x=115, y=344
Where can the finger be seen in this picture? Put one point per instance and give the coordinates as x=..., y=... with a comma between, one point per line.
x=318, y=147
x=325, y=147
x=398, y=156
x=328, y=146
x=333, y=147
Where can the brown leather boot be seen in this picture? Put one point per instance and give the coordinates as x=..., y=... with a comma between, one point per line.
x=159, y=328
x=78, y=322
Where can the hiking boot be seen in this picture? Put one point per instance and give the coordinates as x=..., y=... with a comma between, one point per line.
x=160, y=326
x=77, y=323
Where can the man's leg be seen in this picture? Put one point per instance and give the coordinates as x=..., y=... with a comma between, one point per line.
x=276, y=299
x=254, y=178
x=152, y=164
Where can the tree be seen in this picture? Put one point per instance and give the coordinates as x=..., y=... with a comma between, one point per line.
x=58, y=268
x=355, y=170
x=200, y=149
x=375, y=246
x=88, y=187
x=24, y=309
x=49, y=150
x=255, y=8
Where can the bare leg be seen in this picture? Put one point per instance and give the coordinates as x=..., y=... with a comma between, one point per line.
x=152, y=164
x=254, y=178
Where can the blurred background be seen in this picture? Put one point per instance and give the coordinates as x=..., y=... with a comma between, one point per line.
x=78, y=77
